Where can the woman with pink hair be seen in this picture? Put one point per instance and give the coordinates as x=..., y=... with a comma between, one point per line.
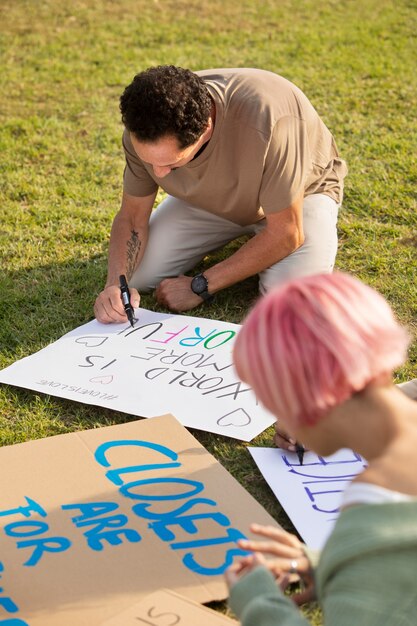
x=319, y=352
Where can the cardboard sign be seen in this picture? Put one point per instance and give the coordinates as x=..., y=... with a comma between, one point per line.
x=165, y=364
x=309, y=493
x=91, y=522
x=166, y=608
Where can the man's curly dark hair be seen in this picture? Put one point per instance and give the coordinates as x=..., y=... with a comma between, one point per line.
x=166, y=100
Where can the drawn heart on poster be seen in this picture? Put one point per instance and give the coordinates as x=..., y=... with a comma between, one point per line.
x=238, y=417
x=91, y=342
x=102, y=380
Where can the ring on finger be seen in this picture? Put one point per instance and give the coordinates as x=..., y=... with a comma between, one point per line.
x=293, y=566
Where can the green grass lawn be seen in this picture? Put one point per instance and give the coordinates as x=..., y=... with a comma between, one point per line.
x=63, y=68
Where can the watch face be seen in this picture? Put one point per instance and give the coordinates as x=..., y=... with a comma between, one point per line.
x=199, y=284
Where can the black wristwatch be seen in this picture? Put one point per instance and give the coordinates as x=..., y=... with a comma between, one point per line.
x=199, y=286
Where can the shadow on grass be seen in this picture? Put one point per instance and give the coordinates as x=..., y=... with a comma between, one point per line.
x=41, y=303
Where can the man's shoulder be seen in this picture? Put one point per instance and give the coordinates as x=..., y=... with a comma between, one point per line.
x=250, y=74
x=250, y=83
x=246, y=91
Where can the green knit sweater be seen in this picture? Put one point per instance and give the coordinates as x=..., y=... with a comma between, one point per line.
x=366, y=575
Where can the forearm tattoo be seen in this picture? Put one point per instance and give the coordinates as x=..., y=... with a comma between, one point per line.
x=132, y=253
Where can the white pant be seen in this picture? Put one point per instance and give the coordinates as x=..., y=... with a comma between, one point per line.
x=180, y=236
x=409, y=388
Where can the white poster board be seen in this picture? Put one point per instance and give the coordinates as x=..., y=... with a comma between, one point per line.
x=166, y=364
x=309, y=493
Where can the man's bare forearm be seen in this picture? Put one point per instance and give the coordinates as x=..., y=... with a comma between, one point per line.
x=280, y=237
x=251, y=258
x=127, y=244
x=133, y=247
x=128, y=237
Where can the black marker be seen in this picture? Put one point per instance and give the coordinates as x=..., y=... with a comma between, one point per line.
x=300, y=452
x=125, y=294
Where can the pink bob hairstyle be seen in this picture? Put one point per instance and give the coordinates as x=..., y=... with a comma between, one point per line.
x=313, y=342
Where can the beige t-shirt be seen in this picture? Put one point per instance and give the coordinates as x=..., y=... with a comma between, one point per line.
x=268, y=146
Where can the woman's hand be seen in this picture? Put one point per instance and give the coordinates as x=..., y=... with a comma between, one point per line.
x=289, y=563
x=241, y=568
x=282, y=439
